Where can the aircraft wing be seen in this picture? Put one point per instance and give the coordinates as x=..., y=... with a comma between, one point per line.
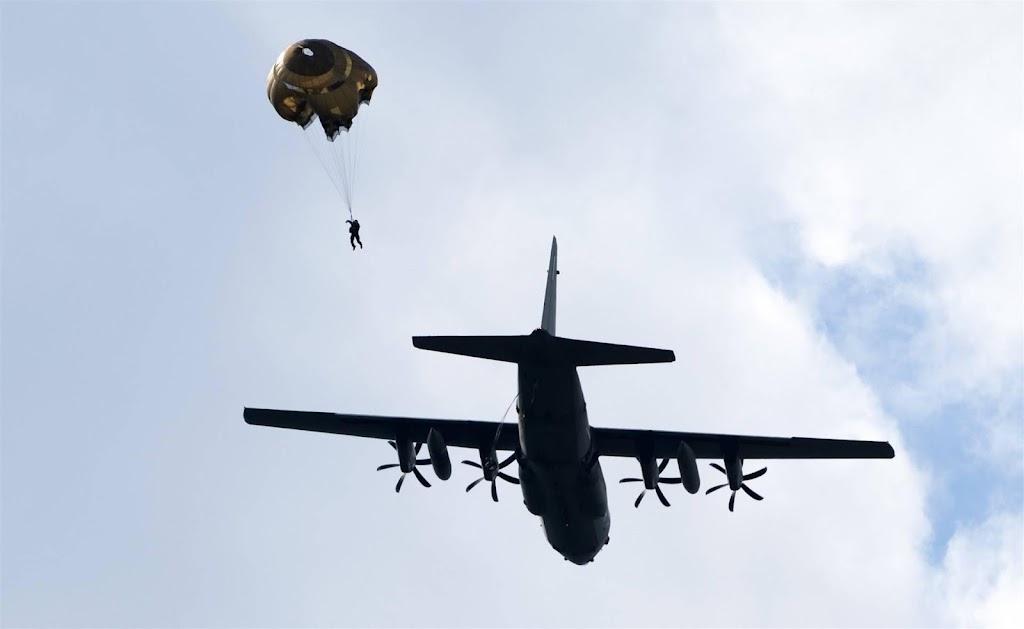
x=456, y=432
x=664, y=444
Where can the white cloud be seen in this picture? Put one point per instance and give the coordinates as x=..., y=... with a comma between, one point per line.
x=982, y=578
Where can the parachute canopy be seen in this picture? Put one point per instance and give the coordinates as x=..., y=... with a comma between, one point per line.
x=318, y=78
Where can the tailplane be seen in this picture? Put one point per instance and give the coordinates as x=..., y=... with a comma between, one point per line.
x=542, y=347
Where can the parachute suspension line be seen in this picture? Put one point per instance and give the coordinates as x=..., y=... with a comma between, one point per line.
x=321, y=157
x=353, y=152
x=328, y=148
x=337, y=151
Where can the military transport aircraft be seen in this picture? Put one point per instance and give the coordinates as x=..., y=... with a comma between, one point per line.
x=555, y=447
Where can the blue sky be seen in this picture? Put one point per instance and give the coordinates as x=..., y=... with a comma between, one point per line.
x=820, y=208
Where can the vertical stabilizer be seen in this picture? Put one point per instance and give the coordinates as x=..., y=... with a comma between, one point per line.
x=547, y=321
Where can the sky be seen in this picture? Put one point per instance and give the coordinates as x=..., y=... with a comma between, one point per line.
x=818, y=207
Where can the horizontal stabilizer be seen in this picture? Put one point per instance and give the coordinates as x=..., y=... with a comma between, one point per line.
x=507, y=349
x=585, y=353
x=540, y=348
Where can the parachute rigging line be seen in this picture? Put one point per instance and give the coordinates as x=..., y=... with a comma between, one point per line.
x=322, y=158
x=337, y=145
x=354, y=136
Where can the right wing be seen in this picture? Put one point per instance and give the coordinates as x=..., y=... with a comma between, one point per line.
x=664, y=444
x=479, y=435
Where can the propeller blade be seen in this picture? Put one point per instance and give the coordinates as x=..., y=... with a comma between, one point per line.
x=631, y=480
x=401, y=479
x=422, y=461
x=664, y=464
x=418, y=446
x=506, y=462
x=639, y=498
x=732, y=500
x=661, y=496
x=473, y=464
x=420, y=478
x=716, y=488
x=387, y=466
x=494, y=490
x=718, y=467
x=753, y=475
x=671, y=481
x=750, y=492
x=511, y=479
x=475, y=483
x=393, y=445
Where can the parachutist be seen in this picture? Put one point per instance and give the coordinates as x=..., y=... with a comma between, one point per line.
x=353, y=230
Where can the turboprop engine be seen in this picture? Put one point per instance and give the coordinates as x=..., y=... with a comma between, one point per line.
x=736, y=479
x=407, y=461
x=651, y=472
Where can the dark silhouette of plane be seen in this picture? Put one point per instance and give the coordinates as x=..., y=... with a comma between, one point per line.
x=557, y=450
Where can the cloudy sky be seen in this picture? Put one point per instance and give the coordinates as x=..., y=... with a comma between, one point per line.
x=819, y=207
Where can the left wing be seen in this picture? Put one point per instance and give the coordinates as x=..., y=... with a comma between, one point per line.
x=479, y=435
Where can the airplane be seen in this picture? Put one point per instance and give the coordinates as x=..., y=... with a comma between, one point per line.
x=557, y=450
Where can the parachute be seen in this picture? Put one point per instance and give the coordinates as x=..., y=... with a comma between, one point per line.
x=316, y=78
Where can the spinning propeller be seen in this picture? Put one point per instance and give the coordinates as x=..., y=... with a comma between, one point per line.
x=750, y=492
x=657, y=480
x=411, y=464
x=492, y=471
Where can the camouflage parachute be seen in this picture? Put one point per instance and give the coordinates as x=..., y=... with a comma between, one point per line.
x=318, y=78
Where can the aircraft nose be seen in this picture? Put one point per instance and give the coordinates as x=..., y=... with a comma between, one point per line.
x=582, y=559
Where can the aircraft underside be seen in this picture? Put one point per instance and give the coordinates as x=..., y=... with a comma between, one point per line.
x=573, y=507
x=559, y=475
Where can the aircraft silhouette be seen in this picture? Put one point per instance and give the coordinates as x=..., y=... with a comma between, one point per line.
x=557, y=450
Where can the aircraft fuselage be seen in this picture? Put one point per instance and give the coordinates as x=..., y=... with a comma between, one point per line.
x=559, y=472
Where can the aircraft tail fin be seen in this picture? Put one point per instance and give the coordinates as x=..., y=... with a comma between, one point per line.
x=547, y=321
x=540, y=348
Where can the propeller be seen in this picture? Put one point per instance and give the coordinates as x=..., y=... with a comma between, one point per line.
x=492, y=472
x=657, y=489
x=750, y=492
x=416, y=472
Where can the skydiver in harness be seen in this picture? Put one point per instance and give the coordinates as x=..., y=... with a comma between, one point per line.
x=353, y=230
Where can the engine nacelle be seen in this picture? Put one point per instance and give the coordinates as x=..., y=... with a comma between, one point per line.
x=406, y=454
x=533, y=490
x=439, y=459
x=688, y=468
